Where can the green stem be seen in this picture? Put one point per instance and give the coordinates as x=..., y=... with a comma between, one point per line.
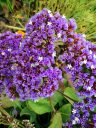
x=66, y=96
x=4, y=123
x=91, y=34
x=89, y=38
x=20, y=23
x=21, y=126
x=52, y=105
x=12, y=27
x=4, y=112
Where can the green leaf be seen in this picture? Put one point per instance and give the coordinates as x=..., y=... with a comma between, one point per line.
x=10, y=5
x=56, y=98
x=94, y=109
x=56, y=121
x=40, y=107
x=10, y=126
x=17, y=103
x=65, y=112
x=26, y=111
x=70, y=101
x=32, y=117
x=70, y=92
x=65, y=83
x=2, y=1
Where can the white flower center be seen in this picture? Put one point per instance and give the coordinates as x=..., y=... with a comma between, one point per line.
x=54, y=54
x=69, y=66
x=40, y=58
x=73, y=111
x=84, y=62
x=59, y=35
x=92, y=67
x=64, y=16
x=3, y=53
x=35, y=64
x=76, y=120
x=84, y=35
x=94, y=56
x=90, y=52
x=9, y=49
x=30, y=22
x=88, y=88
x=49, y=11
x=49, y=23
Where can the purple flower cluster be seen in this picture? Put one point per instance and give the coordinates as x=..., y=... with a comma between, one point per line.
x=9, y=44
x=33, y=66
x=33, y=72
x=79, y=59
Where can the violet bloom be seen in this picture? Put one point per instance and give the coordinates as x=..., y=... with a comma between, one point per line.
x=9, y=44
x=80, y=62
x=35, y=72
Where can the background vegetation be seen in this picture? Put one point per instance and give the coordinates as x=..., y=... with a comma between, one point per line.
x=17, y=12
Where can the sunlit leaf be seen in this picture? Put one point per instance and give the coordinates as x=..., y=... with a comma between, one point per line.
x=40, y=107
x=56, y=98
x=65, y=112
x=56, y=121
x=70, y=92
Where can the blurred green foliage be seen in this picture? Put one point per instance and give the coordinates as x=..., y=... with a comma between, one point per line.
x=84, y=11
x=6, y=6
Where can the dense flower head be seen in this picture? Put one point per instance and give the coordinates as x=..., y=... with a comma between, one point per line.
x=33, y=66
x=79, y=59
x=9, y=44
x=35, y=72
